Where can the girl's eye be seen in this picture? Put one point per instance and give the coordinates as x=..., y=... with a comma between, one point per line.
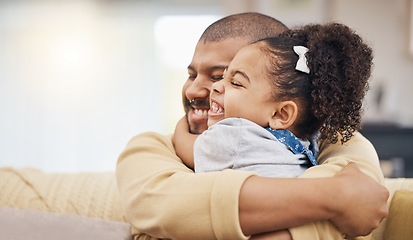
x=191, y=76
x=217, y=78
x=237, y=84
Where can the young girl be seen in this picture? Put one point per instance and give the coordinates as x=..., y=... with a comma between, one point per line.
x=278, y=96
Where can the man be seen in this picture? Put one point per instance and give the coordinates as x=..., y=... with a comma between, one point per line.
x=163, y=198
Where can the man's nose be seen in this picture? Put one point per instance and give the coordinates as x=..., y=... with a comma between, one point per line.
x=199, y=88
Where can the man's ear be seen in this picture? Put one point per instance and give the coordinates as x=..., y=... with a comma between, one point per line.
x=284, y=115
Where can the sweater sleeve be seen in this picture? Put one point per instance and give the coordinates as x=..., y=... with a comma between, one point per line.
x=332, y=158
x=163, y=198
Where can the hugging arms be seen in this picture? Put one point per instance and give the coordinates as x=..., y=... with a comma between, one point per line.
x=163, y=198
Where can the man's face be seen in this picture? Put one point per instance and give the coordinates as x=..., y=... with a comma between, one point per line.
x=208, y=64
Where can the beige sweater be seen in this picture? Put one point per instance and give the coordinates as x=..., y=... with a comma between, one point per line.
x=152, y=179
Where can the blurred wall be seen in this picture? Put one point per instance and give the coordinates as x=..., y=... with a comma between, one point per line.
x=386, y=24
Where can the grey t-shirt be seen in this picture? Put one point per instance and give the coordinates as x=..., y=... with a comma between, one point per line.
x=236, y=143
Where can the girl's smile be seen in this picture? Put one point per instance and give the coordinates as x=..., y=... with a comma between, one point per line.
x=216, y=113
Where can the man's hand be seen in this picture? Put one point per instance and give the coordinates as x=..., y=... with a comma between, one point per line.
x=359, y=214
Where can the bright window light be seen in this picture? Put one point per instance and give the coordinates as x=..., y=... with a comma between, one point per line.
x=177, y=37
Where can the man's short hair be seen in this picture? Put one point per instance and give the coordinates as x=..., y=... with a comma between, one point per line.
x=251, y=25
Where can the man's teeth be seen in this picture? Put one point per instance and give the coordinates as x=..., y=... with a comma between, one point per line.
x=201, y=112
x=216, y=108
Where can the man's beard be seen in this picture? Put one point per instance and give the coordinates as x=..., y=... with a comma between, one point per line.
x=194, y=127
x=202, y=103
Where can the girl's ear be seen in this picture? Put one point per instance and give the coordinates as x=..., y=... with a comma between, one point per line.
x=284, y=115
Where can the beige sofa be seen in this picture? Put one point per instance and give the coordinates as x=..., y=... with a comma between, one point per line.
x=87, y=206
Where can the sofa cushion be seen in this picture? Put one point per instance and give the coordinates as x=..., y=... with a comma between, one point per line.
x=400, y=219
x=87, y=194
x=18, y=224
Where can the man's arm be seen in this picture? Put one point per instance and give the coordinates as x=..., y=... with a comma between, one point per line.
x=332, y=159
x=163, y=198
x=299, y=202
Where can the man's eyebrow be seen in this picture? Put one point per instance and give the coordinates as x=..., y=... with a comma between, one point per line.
x=218, y=67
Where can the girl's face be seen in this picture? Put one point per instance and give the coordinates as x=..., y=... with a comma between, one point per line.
x=245, y=91
x=207, y=66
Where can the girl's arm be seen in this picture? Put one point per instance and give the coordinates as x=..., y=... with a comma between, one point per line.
x=183, y=142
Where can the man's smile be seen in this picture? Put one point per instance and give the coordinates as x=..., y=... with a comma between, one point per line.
x=199, y=109
x=201, y=112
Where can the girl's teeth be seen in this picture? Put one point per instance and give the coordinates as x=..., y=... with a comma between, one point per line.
x=216, y=108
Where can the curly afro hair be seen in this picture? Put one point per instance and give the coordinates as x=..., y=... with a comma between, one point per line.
x=330, y=97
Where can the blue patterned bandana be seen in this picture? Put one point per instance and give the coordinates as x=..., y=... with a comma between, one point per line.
x=286, y=137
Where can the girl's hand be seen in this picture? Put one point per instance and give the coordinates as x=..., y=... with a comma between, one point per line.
x=183, y=142
x=181, y=129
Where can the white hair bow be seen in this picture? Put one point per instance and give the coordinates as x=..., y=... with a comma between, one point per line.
x=302, y=60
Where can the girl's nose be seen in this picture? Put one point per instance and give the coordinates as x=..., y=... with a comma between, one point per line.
x=218, y=87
